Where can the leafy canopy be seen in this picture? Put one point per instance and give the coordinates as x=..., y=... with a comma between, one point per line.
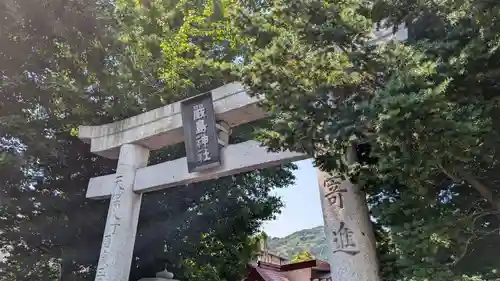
x=302, y=256
x=426, y=107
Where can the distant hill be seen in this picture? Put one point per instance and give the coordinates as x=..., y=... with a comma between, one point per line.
x=312, y=240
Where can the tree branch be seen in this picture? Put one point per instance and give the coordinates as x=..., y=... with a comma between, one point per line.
x=484, y=190
x=448, y=174
x=469, y=241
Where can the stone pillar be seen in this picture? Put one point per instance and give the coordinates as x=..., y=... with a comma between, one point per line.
x=123, y=215
x=349, y=233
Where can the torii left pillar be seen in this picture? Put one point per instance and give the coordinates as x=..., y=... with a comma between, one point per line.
x=123, y=216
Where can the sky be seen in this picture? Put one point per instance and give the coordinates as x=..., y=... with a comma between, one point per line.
x=302, y=203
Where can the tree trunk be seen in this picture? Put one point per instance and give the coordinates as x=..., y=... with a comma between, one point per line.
x=65, y=269
x=348, y=229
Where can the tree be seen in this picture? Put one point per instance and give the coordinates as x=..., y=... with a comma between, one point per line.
x=34, y=123
x=302, y=256
x=92, y=65
x=435, y=143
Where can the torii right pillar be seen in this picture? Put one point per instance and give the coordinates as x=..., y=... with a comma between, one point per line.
x=349, y=233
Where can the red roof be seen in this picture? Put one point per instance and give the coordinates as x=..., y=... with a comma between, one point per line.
x=273, y=272
x=322, y=265
x=270, y=275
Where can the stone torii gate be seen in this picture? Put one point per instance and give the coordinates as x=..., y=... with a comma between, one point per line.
x=347, y=227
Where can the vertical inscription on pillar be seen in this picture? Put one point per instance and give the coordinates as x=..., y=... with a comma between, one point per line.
x=200, y=133
x=343, y=236
x=114, y=218
x=343, y=240
x=334, y=193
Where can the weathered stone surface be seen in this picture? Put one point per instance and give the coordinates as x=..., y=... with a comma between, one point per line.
x=236, y=158
x=348, y=230
x=123, y=214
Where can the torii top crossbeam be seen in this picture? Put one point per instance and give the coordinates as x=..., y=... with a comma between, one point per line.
x=162, y=127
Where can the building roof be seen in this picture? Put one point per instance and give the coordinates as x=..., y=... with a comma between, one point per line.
x=270, y=275
x=315, y=264
x=263, y=271
x=322, y=265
